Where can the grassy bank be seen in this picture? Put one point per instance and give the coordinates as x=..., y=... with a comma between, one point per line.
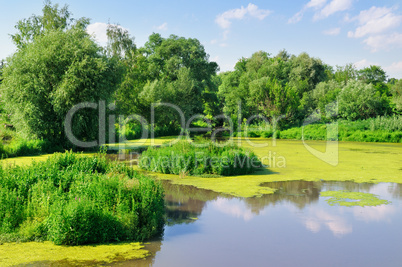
x=72, y=199
x=20, y=147
x=381, y=129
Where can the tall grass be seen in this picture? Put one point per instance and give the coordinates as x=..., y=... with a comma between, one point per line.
x=185, y=158
x=380, y=129
x=72, y=199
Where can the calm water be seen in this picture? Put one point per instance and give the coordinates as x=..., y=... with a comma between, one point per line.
x=294, y=227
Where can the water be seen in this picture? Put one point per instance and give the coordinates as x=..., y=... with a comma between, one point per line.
x=293, y=227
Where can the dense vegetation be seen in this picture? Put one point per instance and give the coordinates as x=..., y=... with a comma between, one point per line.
x=186, y=158
x=73, y=199
x=58, y=65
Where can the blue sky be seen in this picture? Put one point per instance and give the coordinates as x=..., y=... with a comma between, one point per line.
x=362, y=32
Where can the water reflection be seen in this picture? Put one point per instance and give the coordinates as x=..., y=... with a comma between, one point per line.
x=200, y=222
x=205, y=228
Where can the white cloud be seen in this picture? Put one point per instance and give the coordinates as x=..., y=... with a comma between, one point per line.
x=296, y=17
x=333, y=7
x=364, y=63
x=333, y=31
x=238, y=210
x=315, y=4
x=322, y=10
x=224, y=20
x=336, y=224
x=98, y=30
x=394, y=70
x=378, y=42
x=396, y=66
x=162, y=27
x=374, y=25
x=379, y=213
x=374, y=21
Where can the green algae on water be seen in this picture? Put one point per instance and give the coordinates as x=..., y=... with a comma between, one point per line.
x=351, y=199
x=31, y=252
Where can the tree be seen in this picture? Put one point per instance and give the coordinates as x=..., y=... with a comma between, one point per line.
x=51, y=73
x=345, y=73
x=53, y=18
x=396, y=90
x=376, y=76
x=358, y=100
x=174, y=70
x=272, y=98
x=326, y=93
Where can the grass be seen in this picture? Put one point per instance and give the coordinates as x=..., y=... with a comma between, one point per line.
x=380, y=129
x=20, y=147
x=186, y=158
x=72, y=199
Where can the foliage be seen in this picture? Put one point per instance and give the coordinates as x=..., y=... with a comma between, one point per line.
x=271, y=86
x=46, y=78
x=185, y=158
x=53, y=18
x=72, y=199
x=21, y=147
x=166, y=70
x=396, y=90
x=324, y=94
x=358, y=100
x=380, y=129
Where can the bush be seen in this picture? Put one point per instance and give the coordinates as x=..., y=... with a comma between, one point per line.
x=198, y=159
x=72, y=199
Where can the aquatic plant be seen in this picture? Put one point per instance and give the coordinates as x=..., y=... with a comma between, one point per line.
x=185, y=158
x=72, y=199
x=350, y=199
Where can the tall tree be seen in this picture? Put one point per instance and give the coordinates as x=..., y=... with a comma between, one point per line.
x=51, y=73
x=53, y=18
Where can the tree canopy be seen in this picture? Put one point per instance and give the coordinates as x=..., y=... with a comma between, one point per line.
x=47, y=76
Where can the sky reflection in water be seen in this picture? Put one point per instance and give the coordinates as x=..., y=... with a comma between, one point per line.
x=294, y=227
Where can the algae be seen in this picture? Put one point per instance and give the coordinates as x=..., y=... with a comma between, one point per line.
x=289, y=160
x=37, y=252
x=351, y=199
x=354, y=165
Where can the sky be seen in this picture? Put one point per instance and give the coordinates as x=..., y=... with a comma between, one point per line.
x=339, y=32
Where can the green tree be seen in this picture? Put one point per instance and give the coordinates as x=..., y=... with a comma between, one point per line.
x=174, y=70
x=376, y=76
x=396, y=91
x=358, y=100
x=272, y=98
x=326, y=93
x=343, y=74
x=53, y=18
x=45, y=78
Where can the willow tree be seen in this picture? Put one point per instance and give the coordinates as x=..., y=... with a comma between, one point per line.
x=55, y=68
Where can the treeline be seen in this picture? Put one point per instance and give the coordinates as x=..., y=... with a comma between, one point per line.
x=295, y=86
x=58, y=65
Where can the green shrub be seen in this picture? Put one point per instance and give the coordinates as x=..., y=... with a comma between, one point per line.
x=198, y=159
x=72, y=199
